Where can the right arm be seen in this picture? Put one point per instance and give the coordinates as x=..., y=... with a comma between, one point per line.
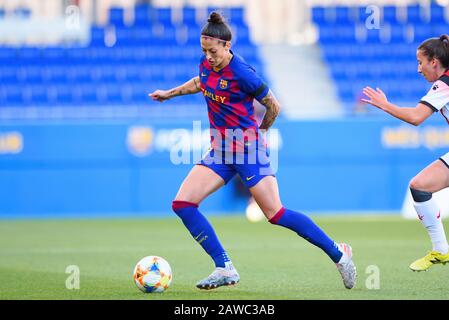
x=190, y=87
x=414, y=116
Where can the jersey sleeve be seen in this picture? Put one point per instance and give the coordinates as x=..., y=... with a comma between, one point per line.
x=438, y=96
x=252, y=84
x=200, y=65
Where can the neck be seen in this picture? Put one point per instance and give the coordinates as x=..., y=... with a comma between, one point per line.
x=440, y=72
x=225, y=62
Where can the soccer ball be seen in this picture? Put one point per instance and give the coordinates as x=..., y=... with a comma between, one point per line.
x=253, y=212
x=152, y=274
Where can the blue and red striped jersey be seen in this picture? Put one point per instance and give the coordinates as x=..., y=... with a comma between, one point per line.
x=229, y=95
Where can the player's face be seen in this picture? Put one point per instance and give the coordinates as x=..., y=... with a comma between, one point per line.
x=427, y=67
x=216, y=51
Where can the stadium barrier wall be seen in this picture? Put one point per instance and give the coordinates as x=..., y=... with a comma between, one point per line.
x=118, y=168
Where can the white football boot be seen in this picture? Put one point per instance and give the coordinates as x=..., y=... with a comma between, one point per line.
x=346, y=266
x=220, y=277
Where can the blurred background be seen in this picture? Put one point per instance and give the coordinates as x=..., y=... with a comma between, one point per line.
x=79, y=135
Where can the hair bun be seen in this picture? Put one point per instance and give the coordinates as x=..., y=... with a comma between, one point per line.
x=215, y=17
x=444, y=38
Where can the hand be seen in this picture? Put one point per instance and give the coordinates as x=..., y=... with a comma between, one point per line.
x=160, y=95
x=378, y=98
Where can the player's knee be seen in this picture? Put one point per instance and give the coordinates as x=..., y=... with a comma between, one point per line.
x=417, y=183
x=178, y=206
x=268, y=211
x=418, y=191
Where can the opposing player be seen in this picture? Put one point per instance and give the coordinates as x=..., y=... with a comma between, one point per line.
x=229, y=86
x=433, y=64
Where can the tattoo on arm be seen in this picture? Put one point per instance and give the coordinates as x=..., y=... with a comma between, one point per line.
x=195, y=81
x=191, y=86
x=173, y=93
x=273, y=109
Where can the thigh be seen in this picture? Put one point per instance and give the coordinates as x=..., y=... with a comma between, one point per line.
x=253, y=167
x=199, y=183
x=266, y=194
x=433, y=178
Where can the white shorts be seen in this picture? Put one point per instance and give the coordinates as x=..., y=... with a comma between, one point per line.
x=445, y=159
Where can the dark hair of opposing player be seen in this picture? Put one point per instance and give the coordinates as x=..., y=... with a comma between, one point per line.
x=217, y=27
x=437, y=48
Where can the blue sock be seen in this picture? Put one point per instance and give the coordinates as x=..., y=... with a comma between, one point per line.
x=306, y=228
x=201, y=230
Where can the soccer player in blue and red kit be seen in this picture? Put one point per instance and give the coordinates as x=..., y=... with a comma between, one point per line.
x=230, y=86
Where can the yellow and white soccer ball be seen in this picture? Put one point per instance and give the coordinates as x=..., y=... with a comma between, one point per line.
x=152, y=274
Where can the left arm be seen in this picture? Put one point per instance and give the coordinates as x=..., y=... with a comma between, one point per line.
x=273, y=108
x=414, y=116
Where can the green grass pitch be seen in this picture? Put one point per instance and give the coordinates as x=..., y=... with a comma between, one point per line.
x=274, y=263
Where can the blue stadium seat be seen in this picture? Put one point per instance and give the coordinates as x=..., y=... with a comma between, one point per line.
x=319, y=15
x=124, y=36
x=13, y=95
x=8, y=56
x=8, y=74
x=363, y=13
x=438, y=29
x=414, y=14
x=64, y=95
x=29, y=56
x=389, y=15
x=116, y=17
x=142, y=15
x=240, y=35
x=39, y=95
x=92, y=94
x=24, y=13
x=342, y=15
x=189, y=16
x=143, y=35
x=237, y=16
x=397, y=33
x=437, y=14
x=97, y=36
x=164, y=16
x=54, y=56
x=422, y=32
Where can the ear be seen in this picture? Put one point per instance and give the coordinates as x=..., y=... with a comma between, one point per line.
x=228, y=45
x=434, y=62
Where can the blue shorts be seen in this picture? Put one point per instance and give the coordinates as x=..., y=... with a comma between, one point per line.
x=251, y=167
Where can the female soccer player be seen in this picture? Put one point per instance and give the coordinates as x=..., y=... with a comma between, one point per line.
x=433, y=64
x=229, y=86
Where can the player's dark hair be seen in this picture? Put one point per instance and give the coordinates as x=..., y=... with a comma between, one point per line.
x=437, y=48
x=217, y=27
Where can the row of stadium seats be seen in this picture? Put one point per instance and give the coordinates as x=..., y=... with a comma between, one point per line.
x=386, y=57
x=378, y=69
x=385, y=34
x=98, y=71
x=83, y=95
x=144, y=57
x=145, y=14
x=95, y=55
x=414, y=14
x=369, y=52
x=18, y=12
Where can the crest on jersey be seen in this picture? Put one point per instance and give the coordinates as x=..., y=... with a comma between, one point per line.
x=223, y=84
x=435, y=87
